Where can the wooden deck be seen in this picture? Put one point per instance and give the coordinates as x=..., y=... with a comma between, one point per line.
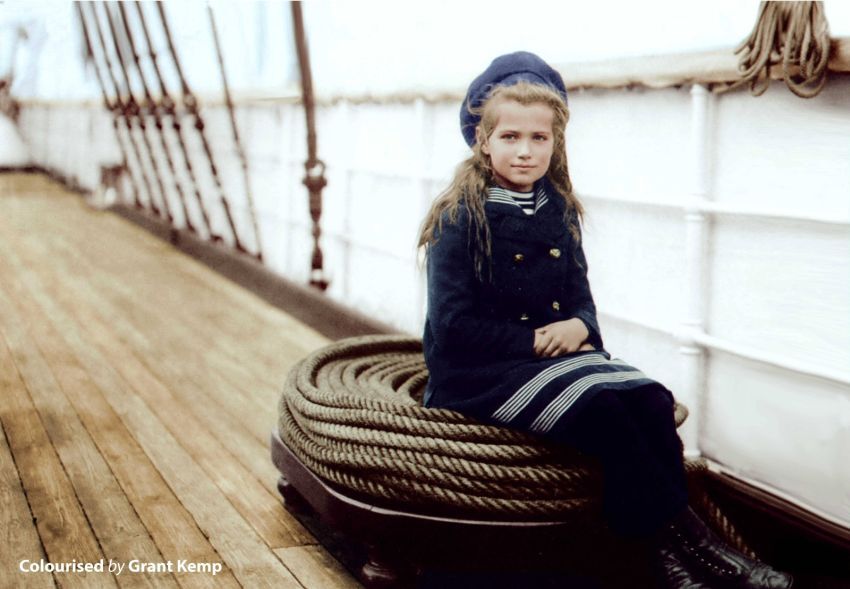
x=137, y=392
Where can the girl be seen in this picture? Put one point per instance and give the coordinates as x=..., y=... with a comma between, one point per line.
x=511, y=335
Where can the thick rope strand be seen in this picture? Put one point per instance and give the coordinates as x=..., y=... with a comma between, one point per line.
x=793, y=34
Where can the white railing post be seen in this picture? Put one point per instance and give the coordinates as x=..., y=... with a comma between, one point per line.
x=696, y=232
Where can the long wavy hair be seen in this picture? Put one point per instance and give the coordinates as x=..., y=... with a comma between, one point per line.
x=475, y=174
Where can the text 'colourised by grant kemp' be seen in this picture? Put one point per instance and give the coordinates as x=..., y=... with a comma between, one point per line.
x=116, y=567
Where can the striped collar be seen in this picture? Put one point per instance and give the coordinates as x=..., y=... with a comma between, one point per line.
x=528, y=202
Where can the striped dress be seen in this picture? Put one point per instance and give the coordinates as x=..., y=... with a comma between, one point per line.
x=479, y=335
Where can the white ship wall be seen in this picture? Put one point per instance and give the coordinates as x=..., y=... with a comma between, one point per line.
x=718, y=240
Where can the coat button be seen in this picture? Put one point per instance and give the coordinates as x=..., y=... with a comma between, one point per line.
x=518, y=258
x=556, y=305
x=555, y=252
x=523, y=317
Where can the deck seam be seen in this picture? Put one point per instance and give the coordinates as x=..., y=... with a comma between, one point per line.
x=23, y=489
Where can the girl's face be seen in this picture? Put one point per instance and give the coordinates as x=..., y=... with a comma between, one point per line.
x=521, y=144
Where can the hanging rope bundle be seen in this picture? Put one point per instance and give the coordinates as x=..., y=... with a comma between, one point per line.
x=314, y=167
x=351, y=413
x=794, y=34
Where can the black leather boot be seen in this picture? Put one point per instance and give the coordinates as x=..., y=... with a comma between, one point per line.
x=672, y=573
x=701, y=550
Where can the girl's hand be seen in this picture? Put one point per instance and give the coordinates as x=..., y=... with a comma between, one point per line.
x=561, y=337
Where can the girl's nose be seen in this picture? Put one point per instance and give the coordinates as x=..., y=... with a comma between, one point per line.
x=523, y=149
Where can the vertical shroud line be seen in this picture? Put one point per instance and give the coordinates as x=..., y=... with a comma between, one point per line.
x=314, y=178
x=120, y=110
x=153, y=108
x=170, y=109
x=137, y=113
x=125, y=110
x=191, y=103
x=113, y=107
x=236, y=139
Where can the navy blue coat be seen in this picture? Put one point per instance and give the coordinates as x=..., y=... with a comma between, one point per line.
x=479, y=334
x=479, y=331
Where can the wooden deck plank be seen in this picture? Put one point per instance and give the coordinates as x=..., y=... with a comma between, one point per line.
x=179, y=356
x=150, y=258
x=236, y=382
x=170, y=526
x=119, y=533
x=128, y=382
x=209, y=319
x=89, y=351
x=167, y=264
x=183, y=363
x=190, y=414
x=314, y=568
x=18, y=534
x=172, y=289
x=266, y=333
x=61, y=523
x=126, y=322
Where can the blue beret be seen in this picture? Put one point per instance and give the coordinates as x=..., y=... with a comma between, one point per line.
x=506, y=70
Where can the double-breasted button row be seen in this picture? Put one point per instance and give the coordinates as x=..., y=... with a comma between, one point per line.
x=554, y=252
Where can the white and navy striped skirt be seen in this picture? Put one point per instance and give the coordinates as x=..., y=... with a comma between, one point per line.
x=542, y=396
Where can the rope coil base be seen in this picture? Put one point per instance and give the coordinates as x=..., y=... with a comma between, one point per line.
x=351, y=413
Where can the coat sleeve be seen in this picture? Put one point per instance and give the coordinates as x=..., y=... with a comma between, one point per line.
x=454, y=313
x=585, y=307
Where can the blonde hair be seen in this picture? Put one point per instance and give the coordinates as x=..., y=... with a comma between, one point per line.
x=475, y=174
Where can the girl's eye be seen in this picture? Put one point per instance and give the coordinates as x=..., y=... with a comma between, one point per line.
x=540, y=137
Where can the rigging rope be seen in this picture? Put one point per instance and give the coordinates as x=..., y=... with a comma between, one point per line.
x=795, y=34
x=351, y=413
x=190, y=102
x=168, y=105
x=152, y=108
x=135, y=111
x=120, y=108
x=107, y=103
x=234, y=128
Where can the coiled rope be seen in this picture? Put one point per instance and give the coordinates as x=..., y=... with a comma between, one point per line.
x=351, y=413
x=795, y=34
